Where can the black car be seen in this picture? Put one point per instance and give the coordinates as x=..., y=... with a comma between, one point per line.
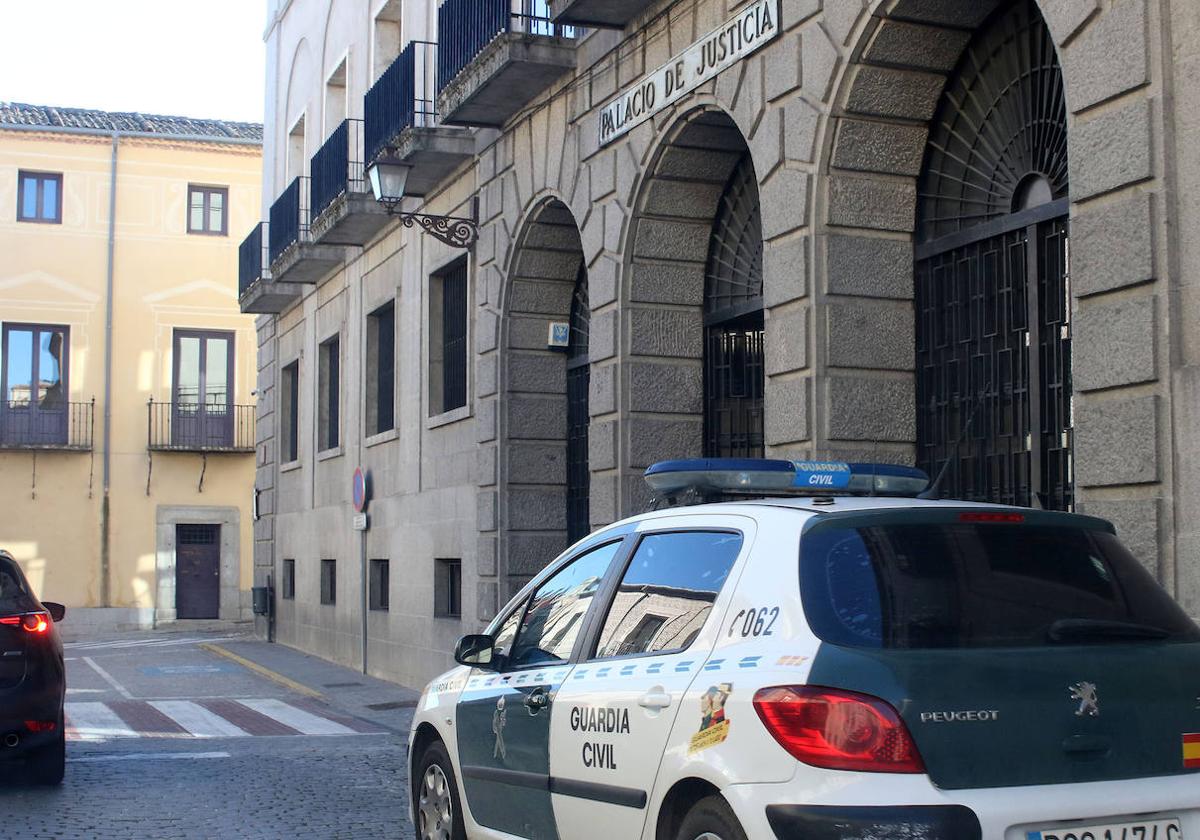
x=33, y=680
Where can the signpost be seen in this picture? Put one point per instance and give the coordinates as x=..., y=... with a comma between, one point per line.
x=360, y=494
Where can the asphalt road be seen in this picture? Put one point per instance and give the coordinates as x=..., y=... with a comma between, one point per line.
x=168, y=739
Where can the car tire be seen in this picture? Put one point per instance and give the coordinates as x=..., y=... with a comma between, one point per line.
x=437, y=807
x=47, y=765
x=711, y=819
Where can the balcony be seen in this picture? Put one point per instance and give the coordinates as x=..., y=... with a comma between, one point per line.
x=257, y=292
x=495, y=56
x=599, y=14
x=200, y=427
x=343, y=210
x=401, y=118
x=47, y=425
x=294, y=257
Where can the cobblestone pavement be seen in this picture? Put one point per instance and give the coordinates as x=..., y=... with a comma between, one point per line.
x=348, y=785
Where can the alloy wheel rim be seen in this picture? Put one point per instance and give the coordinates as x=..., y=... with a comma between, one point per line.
x=708, y=835
x=436, y=806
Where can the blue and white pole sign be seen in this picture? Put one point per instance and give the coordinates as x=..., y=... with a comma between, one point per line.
x=749, y=30
x=361, y=496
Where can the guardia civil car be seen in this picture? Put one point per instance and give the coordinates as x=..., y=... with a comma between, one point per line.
x=852, y=662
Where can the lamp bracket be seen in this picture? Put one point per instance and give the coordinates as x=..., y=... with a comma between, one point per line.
x=455, y=231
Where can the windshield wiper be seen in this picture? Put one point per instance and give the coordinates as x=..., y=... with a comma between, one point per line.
x=1088, y=629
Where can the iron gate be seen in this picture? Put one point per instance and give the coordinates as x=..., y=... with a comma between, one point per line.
x=578, y=417
x=734, y=378
x=993, y=274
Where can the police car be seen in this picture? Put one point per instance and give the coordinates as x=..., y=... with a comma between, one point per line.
x=823, y=656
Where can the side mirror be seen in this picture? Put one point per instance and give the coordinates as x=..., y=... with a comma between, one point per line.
x=57, y=611
x=475, y=651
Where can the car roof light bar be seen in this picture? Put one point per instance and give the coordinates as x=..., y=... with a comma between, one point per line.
x=716, y=477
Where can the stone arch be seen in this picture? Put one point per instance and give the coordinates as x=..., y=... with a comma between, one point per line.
x=662, y=344
x=898, y=55
x=544, y=268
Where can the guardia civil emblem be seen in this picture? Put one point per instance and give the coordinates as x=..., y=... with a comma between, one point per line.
x=499, y=721
x=1089, y=703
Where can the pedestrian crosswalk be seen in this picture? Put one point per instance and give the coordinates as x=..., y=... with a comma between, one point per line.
x=207, y=718
x=142, y=642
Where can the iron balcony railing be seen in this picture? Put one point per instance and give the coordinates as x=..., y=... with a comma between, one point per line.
x=199, y=427
x=404, y=97
x=337, y=167
x=47, y=424
x=466, y=27
x=289, y=218
x=252, y=259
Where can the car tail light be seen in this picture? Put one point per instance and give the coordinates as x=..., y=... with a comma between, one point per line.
x=41, y=725
x=840, y=730
x=11, y=620
x=36, y=623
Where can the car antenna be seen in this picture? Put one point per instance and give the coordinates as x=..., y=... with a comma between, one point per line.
x=935, y=489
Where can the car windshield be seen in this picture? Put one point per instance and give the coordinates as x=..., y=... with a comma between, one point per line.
x=944, y=581
x=13, y=596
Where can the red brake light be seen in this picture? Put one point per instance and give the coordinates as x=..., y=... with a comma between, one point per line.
x=11, y=620
x=37, y=623
x=1009, y=518
x=840, y=730
x=41, y=725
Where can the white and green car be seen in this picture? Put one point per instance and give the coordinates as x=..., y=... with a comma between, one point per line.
x=822, y=657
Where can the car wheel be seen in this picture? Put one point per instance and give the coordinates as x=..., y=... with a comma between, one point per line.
x=711, y=819
x=47, y=764
x=436, y=802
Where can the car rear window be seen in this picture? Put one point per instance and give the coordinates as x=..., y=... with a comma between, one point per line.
x=939, y=581
x=13, y=595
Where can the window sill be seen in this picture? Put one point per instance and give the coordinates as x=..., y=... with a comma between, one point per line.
x=452, y=416
x=290, y=466
x=330, y=454
x=382, y=437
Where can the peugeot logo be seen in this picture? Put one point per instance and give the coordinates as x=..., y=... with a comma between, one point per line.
x=1089, y=703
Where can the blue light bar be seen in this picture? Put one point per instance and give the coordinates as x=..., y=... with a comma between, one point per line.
x=755, y=476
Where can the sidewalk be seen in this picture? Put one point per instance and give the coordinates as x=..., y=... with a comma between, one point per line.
x=348, y=690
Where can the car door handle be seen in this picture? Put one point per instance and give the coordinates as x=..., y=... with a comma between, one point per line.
x=537, y=700
x=657, y=699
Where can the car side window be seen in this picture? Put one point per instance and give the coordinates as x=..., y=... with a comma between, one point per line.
x=555, y=616
x=667, y=592
x=505, y=634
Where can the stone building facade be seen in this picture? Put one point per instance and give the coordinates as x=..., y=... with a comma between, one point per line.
x=850, y=242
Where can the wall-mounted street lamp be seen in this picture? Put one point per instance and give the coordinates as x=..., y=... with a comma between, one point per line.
x=388, y=178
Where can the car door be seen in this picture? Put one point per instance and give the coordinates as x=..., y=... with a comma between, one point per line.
x=614, y=714
x=504, y=715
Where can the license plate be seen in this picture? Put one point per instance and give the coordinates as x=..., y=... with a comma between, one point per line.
x=1153, y=830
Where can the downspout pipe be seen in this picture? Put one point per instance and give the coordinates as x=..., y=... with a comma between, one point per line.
x=105, y=529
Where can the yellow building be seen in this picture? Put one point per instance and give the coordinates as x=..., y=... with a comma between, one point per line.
x=127, y=373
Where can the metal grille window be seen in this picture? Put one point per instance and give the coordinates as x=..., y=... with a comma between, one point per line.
x=288, y=584
x=39, y=197
x=381, y=371
x=328, y=582
x=447, y=589
x=733, y=354
x=448, y=350
x=208, y=210
x=993, y=277
x=329, y=432
x=380, y=585
x=197, y=534
x=578, y=416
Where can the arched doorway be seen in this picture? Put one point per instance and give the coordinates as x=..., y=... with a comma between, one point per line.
x=992, y=273
x=733, y=322
x=694, y=371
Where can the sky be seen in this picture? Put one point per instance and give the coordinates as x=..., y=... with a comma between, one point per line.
x=171, y=57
